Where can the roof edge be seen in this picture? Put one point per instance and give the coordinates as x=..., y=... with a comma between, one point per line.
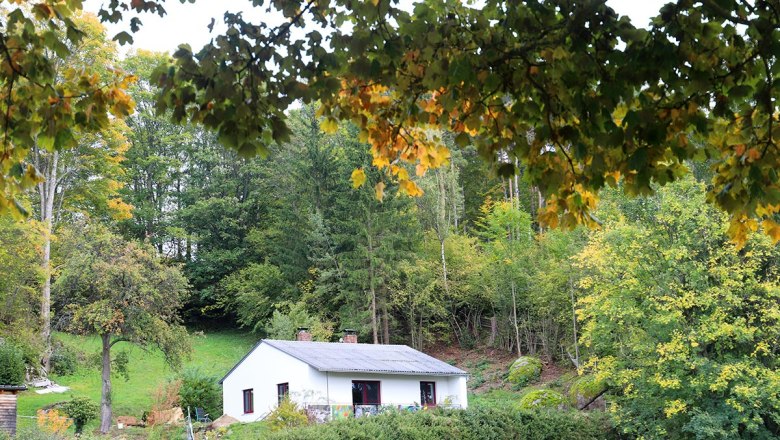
x=240, y=362
x=396, y=373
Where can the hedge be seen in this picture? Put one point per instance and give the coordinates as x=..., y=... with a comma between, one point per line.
x=471, y=424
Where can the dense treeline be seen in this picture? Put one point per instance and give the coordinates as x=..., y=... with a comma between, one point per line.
x=678, y=324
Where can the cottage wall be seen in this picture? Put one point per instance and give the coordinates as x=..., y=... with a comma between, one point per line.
x=266, y=366
x=261, y=371
x=397, y=389
x=8, y=412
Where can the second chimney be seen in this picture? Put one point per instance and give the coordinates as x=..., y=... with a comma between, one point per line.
x=350, y=336
x=303, y=334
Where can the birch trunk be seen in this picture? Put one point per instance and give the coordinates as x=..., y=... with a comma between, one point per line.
x=105, y=394
x=46, y=193
x=514, y=318
x=574, y=324
x=441, y=227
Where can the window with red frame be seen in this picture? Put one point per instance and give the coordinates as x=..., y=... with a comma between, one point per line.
x=282, y=391
x=249, y=401
x=365, y=392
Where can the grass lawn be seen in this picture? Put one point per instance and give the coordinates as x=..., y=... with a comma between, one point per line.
x=213, y=353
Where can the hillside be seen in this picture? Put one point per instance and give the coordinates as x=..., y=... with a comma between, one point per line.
x=213, y=354
x=216, y=352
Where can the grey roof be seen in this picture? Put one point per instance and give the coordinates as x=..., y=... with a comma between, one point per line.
x=12, y=387
x=361, y=358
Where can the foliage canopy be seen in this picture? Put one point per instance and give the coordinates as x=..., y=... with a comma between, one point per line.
x=580, y=95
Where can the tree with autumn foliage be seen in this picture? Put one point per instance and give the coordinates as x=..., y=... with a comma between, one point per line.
x=48, y=102
x=680, y=324
x=122, y=292
x=578, y=95
x=73, y=163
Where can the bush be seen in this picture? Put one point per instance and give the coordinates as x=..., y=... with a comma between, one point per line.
x=64, y=359
x=11, y=365
x=584, y=389
x=545, y=398
x=472, y=424
x=525, y=370
x=81, y=410
x=287, y=415
x=198, y=390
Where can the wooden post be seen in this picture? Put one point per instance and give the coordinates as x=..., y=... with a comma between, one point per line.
x=8, y=408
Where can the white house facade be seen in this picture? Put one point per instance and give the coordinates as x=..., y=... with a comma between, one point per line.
x=339, y=379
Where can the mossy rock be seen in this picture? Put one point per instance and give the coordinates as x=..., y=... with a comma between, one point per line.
x=544, y=398
x=525, y=370
x=585, y=389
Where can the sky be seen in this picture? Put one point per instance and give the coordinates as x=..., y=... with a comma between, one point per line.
x=187, y=23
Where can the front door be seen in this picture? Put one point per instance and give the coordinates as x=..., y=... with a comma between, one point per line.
x=428, y=394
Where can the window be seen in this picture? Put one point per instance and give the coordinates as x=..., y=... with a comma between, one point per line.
x=365, y=392
x=428, y=393
x=249, y=401
x=282, y=391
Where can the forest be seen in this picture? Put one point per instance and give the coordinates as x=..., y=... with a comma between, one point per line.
x=658, y=279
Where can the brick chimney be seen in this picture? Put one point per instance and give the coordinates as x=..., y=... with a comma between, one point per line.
x=303, y=334
x=350, y=336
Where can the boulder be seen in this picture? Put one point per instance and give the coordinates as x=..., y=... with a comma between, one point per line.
x=543, y=398
x=587, y=389
x=223, y=421
x=525, y=370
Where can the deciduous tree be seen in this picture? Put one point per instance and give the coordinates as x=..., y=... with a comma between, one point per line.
x=122, y=292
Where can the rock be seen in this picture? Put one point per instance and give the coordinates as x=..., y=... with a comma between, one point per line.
x=587, y=389
x=542, y=399
x=223, y=421
x=525, y=370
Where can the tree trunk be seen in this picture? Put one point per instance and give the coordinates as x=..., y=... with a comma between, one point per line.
x=454, y=188
x=46, y=191
x=442, y=228
x=385, y=323
x=493, y=330
x=574, y=324
x=371, y=276
x=514, y=318
x=374, y=325
x=105, y=395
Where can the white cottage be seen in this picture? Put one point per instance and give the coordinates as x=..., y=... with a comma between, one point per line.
x=338, y=379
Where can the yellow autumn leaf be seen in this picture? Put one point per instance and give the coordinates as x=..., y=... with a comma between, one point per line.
x=410, y=188
x=771, y=229
x=380, y=191
x=358, y=178
x=329, y=125
x=380, y=161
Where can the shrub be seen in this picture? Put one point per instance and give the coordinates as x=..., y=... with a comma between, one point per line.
x=64, y=359
x=545, y=398
x=584, y=389
x=287, y=415
x=81, y=410
x=52, y=422
x=198, y=390
x=525, y=370
x=11, y=365
x=472, y=424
